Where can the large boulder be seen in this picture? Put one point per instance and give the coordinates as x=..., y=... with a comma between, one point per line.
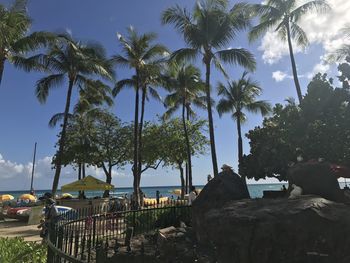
x=306, y=229
x=317, y=179
x=225, y=187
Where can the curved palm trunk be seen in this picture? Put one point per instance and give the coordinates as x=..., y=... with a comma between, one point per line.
x=135, y=165
x=2, y=66
x=294, y=67
x=188, y=149
x=62, y=139
x=143, y=102
x=240, y=153
x=182, y=181
x=210, y=119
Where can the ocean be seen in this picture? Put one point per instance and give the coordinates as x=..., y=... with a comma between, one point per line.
x=255, y=190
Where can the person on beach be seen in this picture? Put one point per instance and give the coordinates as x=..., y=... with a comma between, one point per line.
x=192, y=195
x=157, y=196
x=51, y=215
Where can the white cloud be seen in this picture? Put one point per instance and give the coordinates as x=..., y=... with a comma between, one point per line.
x=321, y=67
x=321, y=29
x=69, y=31
x=279, y=76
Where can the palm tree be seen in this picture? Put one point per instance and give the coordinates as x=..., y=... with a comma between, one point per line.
x=208, y=31
x=238, y=96
x=139, y=52
x=14, y=41
x=183, y=81
x=283, y=16
x=74, y=62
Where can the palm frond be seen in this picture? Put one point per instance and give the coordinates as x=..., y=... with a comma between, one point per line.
x=238, y=56
x=319, y=6
x=44, y=85
x=58, y=117
x=184, y=54
x=299, y=35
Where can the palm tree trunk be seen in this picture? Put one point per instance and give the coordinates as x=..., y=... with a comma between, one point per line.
x=210, y=119
x=79, y=178
x=62, y=139
x=136, y=200
x=188, y=149
x=83, y=168
x=240, y=153
x=2, y=66
x=294, y=67
x=187, y=118
x=143, y=102
x=182, y=181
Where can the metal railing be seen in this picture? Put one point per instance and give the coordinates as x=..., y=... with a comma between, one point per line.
x=78, y=234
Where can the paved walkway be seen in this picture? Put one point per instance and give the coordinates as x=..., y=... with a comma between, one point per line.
x=14, y=228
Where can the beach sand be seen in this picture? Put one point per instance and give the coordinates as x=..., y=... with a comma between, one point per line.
x=13, y=228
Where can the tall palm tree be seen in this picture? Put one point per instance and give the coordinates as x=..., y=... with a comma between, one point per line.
x=208, y=31
x=138, y=51
x=238, y=96
x=14, y=41
x=284, y=16
x=74, y=62
x=186, y=87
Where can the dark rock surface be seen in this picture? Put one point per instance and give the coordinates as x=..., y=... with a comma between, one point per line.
x=227, y=186
x=306, y=229
x=316, y=179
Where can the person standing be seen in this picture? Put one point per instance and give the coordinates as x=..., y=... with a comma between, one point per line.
x=192, y=195
x=157, y=196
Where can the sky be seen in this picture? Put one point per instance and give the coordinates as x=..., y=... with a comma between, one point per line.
x=24, y=120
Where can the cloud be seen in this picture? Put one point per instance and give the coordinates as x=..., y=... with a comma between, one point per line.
x=321, y=67
x=279, y=76
x=69, y=31
x=43, y=169
x=324, y=29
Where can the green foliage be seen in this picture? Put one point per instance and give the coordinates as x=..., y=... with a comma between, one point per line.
x=16, y=250
x=157, y=218
x=318, y=128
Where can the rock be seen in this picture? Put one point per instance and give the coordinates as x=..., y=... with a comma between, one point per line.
x=316, y=179
x=225, y=187
x=306, y=229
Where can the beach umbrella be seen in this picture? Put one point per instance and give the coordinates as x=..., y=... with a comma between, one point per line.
x=4, y=198
x=28, y=197
x=89, y=183
x=67, y=195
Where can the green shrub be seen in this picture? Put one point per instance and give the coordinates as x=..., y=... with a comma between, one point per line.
x=16, y=250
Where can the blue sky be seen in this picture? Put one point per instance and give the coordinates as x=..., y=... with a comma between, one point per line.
x=24, y=120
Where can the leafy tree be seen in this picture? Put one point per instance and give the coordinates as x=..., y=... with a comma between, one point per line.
x=74, y=62
x=208, y=31
x=174, y=144
x=237, y=97
x=183, y=81
x=318, y=128
x=284, y=16
x=14, y=41
x=144, y=57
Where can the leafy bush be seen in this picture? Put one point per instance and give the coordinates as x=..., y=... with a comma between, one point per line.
x=16, y=250
x=147, y=220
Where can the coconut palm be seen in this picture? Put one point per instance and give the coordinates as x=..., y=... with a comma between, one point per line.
x=14, y=41
x=138, y=52
x=208, y=31
x=237, y=97
x=74, y=62
x=186, y=87
x=284, y=16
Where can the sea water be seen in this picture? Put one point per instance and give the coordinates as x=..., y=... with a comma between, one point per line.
x=255, y=190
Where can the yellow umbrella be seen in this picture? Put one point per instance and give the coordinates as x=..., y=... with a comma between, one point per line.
x=27, y=197
x=6, y=198
x=67, y=195
x=88, y=183
x=176, y=192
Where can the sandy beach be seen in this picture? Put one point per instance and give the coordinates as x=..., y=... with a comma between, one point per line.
x=14, y=228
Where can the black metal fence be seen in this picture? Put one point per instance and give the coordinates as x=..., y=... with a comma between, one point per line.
x=78, y=233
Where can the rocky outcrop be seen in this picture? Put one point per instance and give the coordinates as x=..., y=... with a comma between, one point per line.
x=225, y=187
x=306, y=229
x=316, y=179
